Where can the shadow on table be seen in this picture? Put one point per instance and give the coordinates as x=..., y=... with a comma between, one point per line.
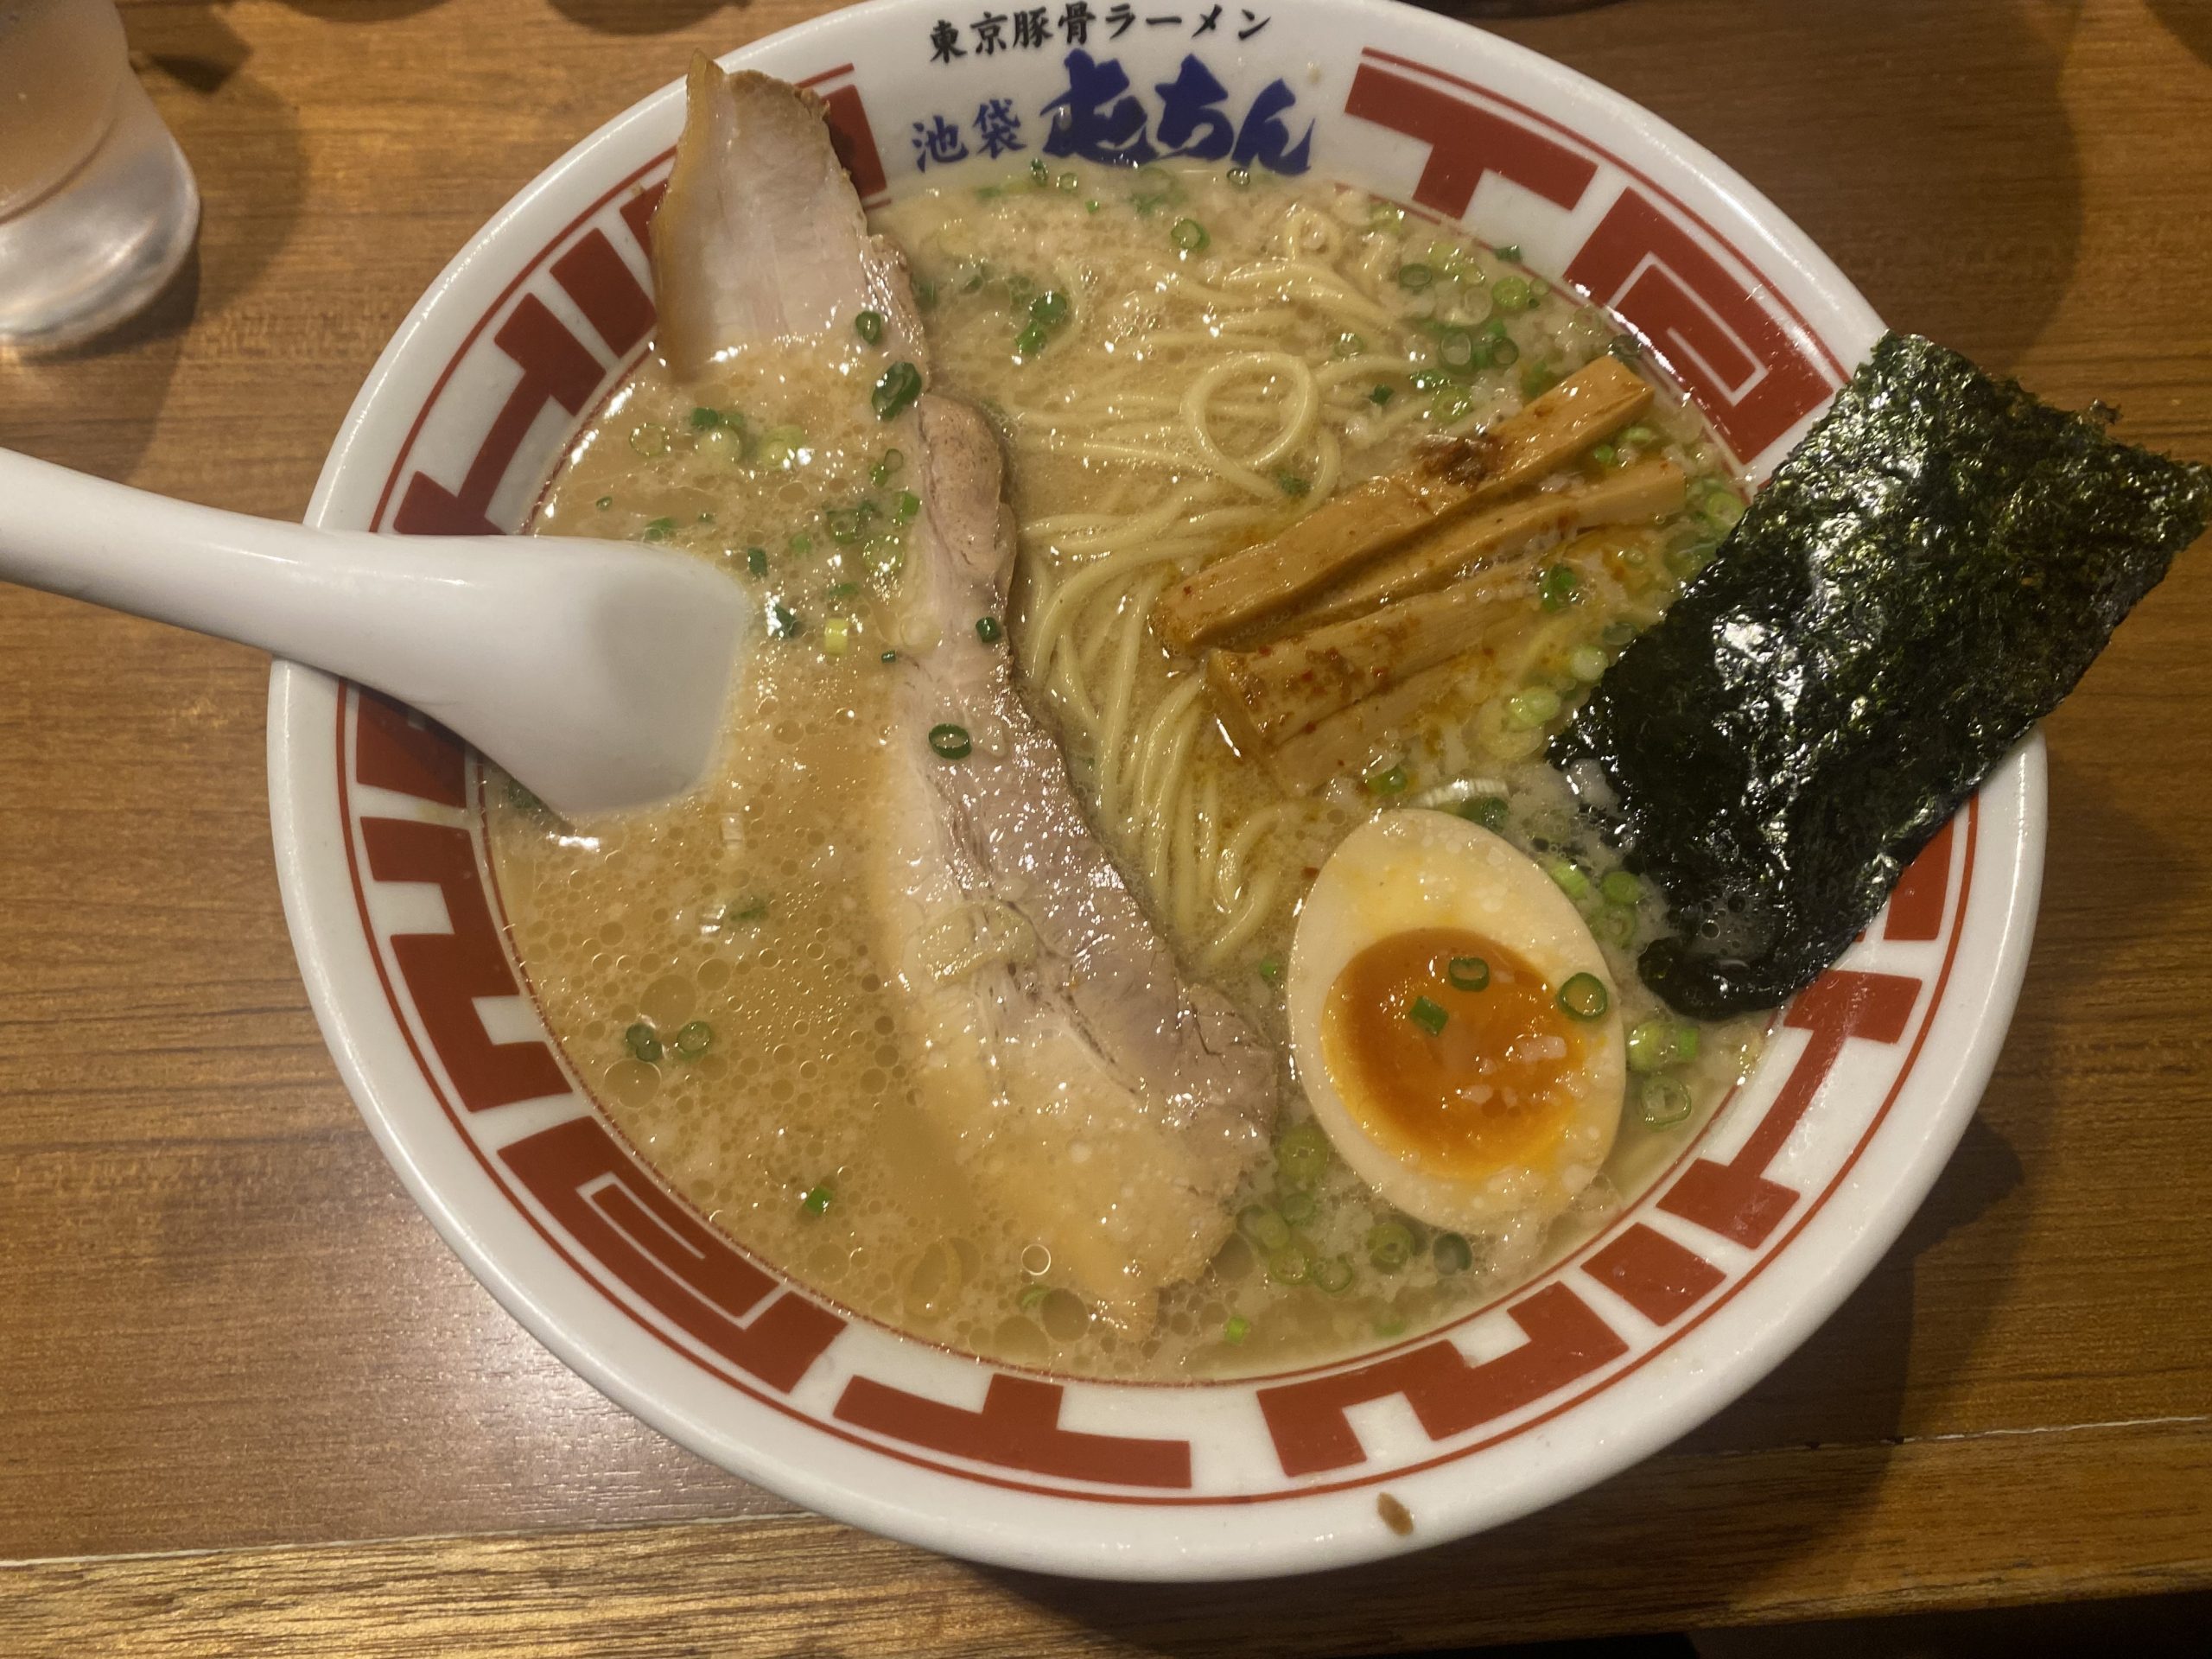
x=2189, y=21
x=361, y=11
x=107, y=394
x=640, y=16
x=1925, y=147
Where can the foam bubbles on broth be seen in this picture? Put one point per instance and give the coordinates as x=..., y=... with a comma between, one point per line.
x=705, y=966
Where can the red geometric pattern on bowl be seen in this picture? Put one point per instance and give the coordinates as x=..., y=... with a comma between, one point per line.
x=567, y=327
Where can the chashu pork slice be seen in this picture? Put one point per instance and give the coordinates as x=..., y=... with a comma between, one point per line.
x=1102, y=1101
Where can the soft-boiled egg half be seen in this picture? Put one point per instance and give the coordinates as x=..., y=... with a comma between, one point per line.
x=1453, y=1025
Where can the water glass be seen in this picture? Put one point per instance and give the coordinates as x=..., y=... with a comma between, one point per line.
x=97, y=206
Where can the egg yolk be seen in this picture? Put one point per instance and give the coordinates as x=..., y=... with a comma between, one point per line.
x=1460, y=1081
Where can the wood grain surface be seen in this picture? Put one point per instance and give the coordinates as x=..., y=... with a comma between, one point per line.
x=229, y=1346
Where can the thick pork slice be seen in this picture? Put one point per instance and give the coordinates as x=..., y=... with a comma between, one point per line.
x=1105, y=1104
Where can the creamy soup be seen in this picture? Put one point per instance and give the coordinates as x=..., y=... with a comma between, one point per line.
x=1178, y=364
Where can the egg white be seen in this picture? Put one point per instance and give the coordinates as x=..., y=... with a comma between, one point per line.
x=1415, y=868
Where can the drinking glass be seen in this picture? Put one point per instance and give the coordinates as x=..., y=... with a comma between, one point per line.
x=97, y=206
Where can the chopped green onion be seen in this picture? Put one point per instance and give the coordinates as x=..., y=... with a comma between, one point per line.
x=883, y=555
x=951, y=742
x=783, y=621
x=650, y=440
x=1302, y=1153
x=1663, y=1102
x=1584, y=996
x=1429, y=379
x=658, y=530
x=1494, y=330
x=1292, y=484
x=1270, y=968
x=751, y=911
x=1556, y=587
x=1511, y=294
x=1535, y=706
x=1029, y=341
x=1391, y=780
x=1050, y=308
x=1038, y=173
x=643, y=1041
x=1510, y=253
x=779, y=444
x=886, y=469
x=1614, y=925
x=1689, y=558
x=1467, y=973
x=1537, y=379
x=888, y=657
x=604, y=503
x=1640, y=435
x=836, y=635
x=925, y=294
x=694, y=1039
x=905, y=506
x=1263, y=1226
x=1651, y=1045
x=843, y=524
x=989, y=630
x=1348, y=344
x=1415, y=275
x=1390, y=1245
x=1620, y=888
x=1503, y=354
x=843, y=589
x=1241, y=177
x=1381, y=396
x=1299, y=1208
x=1069, y=182
x=1604, y=454
x=1723, y=508
x=1624, y=347
x=1429, y=1016
x=1569, y=877
x=1456, y=349
x=756, y=560
x=1386, y=216
x=1538, y=288
x=1237, y=1330
x=1290, y=1265
x=1488, y=811
x=1163, y=187
x=816, y=1198
x=1189, y=235
x=900, y=385
x=703, y=417
x=1587, y=664
x=1031, y=1297
x=868, y=325
x=1451, y=404
x=1451, y=1253
x=1333, y=1276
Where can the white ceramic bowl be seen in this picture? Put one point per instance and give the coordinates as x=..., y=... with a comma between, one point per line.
x=1716, y=1273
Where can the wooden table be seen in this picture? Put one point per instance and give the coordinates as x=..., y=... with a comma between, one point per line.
x=229, y=1347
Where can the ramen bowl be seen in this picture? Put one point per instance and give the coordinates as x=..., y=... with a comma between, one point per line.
x=1699, y=1284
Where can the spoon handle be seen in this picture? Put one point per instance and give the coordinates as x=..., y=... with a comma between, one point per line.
x=381, y=609
x=594, y=670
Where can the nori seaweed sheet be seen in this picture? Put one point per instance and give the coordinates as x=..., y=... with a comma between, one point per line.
x=1923, y=579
